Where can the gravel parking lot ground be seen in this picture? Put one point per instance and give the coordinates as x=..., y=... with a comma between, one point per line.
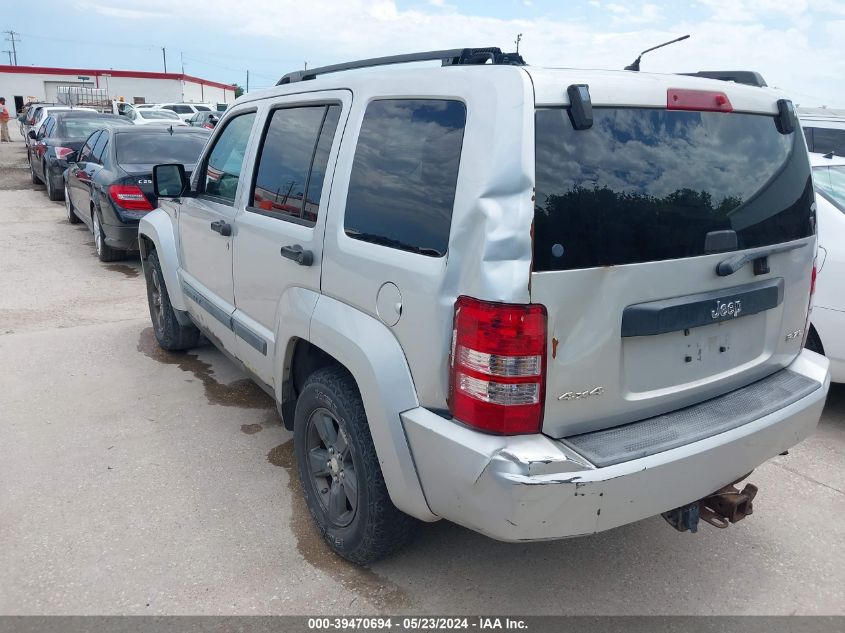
x=141, y=482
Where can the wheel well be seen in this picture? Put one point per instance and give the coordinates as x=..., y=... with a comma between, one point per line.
x=146, y=246
x=303, y=359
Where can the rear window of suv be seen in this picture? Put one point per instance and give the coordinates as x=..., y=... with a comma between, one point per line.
x=649, y=184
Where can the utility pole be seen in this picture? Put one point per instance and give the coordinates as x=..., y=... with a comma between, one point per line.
x=306, y=65
x=12, y=39
x=247, y=82
x=164, y=57
x=518, y=40
x=182, y=57
x=10, y=57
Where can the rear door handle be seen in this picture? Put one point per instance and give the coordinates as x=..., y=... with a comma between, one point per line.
x=224, y=228
x=296, y=253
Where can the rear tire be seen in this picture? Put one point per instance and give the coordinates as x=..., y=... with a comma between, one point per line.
x=334, y=448
x=105, y=253
x=35, y=179
x=170, y=334
x=52, y=192
x=71, y=213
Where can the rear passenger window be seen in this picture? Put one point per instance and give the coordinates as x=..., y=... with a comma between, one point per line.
x=223, y=167
x=402, y=185
x=825, y=140
x=100, y=147
x=292, y=162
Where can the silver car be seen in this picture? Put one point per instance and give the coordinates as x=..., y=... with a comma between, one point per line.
x=539, y=303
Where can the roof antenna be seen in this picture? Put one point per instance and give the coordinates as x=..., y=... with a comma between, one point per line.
x=828, y=155
x=636, y=65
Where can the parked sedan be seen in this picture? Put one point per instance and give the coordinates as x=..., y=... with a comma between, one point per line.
x=205, y=119
x=154, y=116
x=62, y=133
x=827, y=333
x=110, y=186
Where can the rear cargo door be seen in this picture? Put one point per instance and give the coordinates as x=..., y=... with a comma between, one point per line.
x=634, y=219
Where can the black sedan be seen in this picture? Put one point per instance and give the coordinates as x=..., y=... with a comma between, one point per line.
x=61, y=134
x=109, y=186
x=205, y=119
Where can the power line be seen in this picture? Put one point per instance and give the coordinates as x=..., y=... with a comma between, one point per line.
x=12, y=39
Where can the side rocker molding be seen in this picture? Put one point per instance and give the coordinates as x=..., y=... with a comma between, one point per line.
x=157, y=226
x=368, y=349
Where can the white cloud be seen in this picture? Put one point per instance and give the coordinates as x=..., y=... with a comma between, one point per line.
x=800, y=54
x=126, y=13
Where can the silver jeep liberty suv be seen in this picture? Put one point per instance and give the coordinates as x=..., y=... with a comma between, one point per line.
x=539, y=303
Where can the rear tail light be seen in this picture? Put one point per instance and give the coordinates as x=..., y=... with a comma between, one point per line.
x=810, y=304
x=130, y=197
x=699, y=100
x=497, y=370
x=63, y=152
x=208, y=126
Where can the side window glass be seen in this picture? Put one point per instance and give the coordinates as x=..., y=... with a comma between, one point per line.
x=100, y=147
x=85, y=152
x=49, y=124
x=292, y=162
x=223, y=167
x=402, y=185
x=826, y=140
x=808, y=135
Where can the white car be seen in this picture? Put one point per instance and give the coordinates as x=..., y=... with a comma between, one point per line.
x=827, y=334
x=154, y=116
x=186, y=110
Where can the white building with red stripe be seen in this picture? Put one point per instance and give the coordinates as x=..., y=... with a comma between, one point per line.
x=21, y=84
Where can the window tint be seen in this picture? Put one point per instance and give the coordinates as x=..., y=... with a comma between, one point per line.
x=85, y=152
x=181, y=109
x=293, y=160
x=402, y=185
x=151, y=149
x=223, y=168
x=825, y=140
x=202, y=108
x=647, y=185
x=100, y=147
x=49, y=126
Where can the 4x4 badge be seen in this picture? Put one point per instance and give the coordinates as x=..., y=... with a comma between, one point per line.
x=578, y=395
x=728, y=308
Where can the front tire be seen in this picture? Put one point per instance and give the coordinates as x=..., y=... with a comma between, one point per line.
x=339, y=471
x=170, y=334
x=105, y=253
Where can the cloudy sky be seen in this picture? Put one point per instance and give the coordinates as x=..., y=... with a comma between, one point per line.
x=796, y=44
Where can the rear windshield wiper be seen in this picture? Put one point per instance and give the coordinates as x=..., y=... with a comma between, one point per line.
x=760, y=258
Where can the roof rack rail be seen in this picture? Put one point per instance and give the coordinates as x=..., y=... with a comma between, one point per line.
x=748, y=77
x=449, y=57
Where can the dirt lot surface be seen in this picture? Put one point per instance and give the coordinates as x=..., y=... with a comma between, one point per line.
x=134, y=481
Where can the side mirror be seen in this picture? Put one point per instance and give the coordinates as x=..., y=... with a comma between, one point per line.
x=170, y=181
x=31, y=134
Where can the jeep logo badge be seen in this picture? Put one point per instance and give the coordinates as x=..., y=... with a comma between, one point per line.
x=728, y=308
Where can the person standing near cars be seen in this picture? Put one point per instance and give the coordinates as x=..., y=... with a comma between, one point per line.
x=4, y=121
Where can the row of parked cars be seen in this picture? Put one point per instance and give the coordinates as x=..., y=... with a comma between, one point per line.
x=101, y=166
x=475, y=296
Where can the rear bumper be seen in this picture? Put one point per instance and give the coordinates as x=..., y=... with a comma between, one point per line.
x=535, y=488
x=121, y=236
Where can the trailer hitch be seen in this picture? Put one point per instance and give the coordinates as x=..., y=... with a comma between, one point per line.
x=728, y=505
x=725, y=506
